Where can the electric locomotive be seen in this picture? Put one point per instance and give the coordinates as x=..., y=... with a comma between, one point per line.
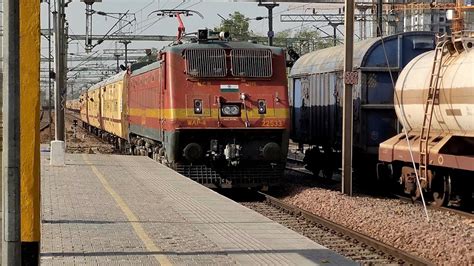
x=213, y=109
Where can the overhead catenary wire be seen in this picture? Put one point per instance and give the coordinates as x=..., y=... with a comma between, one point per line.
x=96, y=54
x=80, y=43
x=405, y=132
x=92, y=57
x=159, y=19
x=146, y=6
x=116, y=23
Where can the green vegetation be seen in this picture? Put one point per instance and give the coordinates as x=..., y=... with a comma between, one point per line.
x=305, y=40
x=238, y=25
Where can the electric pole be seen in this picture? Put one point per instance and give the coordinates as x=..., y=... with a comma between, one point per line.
x=50, y=69
x=117, y=56
x=60, y=60
x=270, y=7
x=89, y=13
x=66, y=69
x=126, y=43
x=379, y=18
x=350, y=78
x=334, y=26
x=58, y=148
x=11, y=214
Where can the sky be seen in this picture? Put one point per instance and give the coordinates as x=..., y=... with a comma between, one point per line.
x=168, y=26
x=153, y=25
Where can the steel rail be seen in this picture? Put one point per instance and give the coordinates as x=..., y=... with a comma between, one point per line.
x=45, y=126
x=393, y=251
x=462, y=213
x=293, y=167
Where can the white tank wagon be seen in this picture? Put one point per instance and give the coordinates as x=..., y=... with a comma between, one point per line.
x=451, y=133
x=455, y=112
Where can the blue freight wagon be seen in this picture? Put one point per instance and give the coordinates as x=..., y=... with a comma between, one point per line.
x=316, y=93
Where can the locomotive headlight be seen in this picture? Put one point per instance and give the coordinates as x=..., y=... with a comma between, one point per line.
x=198, y=106
x=230, y=110
x=262, y=107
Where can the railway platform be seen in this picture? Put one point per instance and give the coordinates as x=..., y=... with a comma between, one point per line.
x=124, y=210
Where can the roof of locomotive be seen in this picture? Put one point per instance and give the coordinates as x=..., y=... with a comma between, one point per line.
x=146, y=68
x=178, y=49
x=222, y=45
x=332, y=59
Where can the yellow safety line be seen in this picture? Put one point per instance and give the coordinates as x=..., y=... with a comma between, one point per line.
x=132, y=218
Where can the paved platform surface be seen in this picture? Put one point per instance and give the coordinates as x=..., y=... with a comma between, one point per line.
x=124, y=210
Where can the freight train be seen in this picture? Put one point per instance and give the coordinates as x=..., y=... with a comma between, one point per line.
x=434, y=102
x=316, y=91
x=217, y=111
x=382, y=111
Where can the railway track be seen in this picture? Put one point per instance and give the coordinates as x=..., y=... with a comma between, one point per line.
x=296, y=165
x=73, y=114
x=43, y=124
x=462, y=213
x=358, y=247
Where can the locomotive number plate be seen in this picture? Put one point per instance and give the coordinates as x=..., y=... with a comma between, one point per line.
x=272, y=123
x=196, y=122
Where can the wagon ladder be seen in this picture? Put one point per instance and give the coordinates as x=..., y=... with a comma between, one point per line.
x=431, y=101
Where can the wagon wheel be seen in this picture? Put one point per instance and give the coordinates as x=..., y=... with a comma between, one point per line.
x=312, y=161
x=415, y=193
x=441, y=189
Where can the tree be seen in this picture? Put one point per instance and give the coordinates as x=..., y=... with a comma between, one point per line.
x=281, y=38
x=237, y=25
x=307, y=40
x=304, y=41
x=311, y=37
x=283, y=34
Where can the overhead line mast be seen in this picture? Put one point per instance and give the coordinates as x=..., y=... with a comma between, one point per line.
x=11, y=211
x=89, y=24
x=270, y=7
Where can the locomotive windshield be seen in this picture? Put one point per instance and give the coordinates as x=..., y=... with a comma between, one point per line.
x=243, y=63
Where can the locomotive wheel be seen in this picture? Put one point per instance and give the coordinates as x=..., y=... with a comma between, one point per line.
x=441, y=189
